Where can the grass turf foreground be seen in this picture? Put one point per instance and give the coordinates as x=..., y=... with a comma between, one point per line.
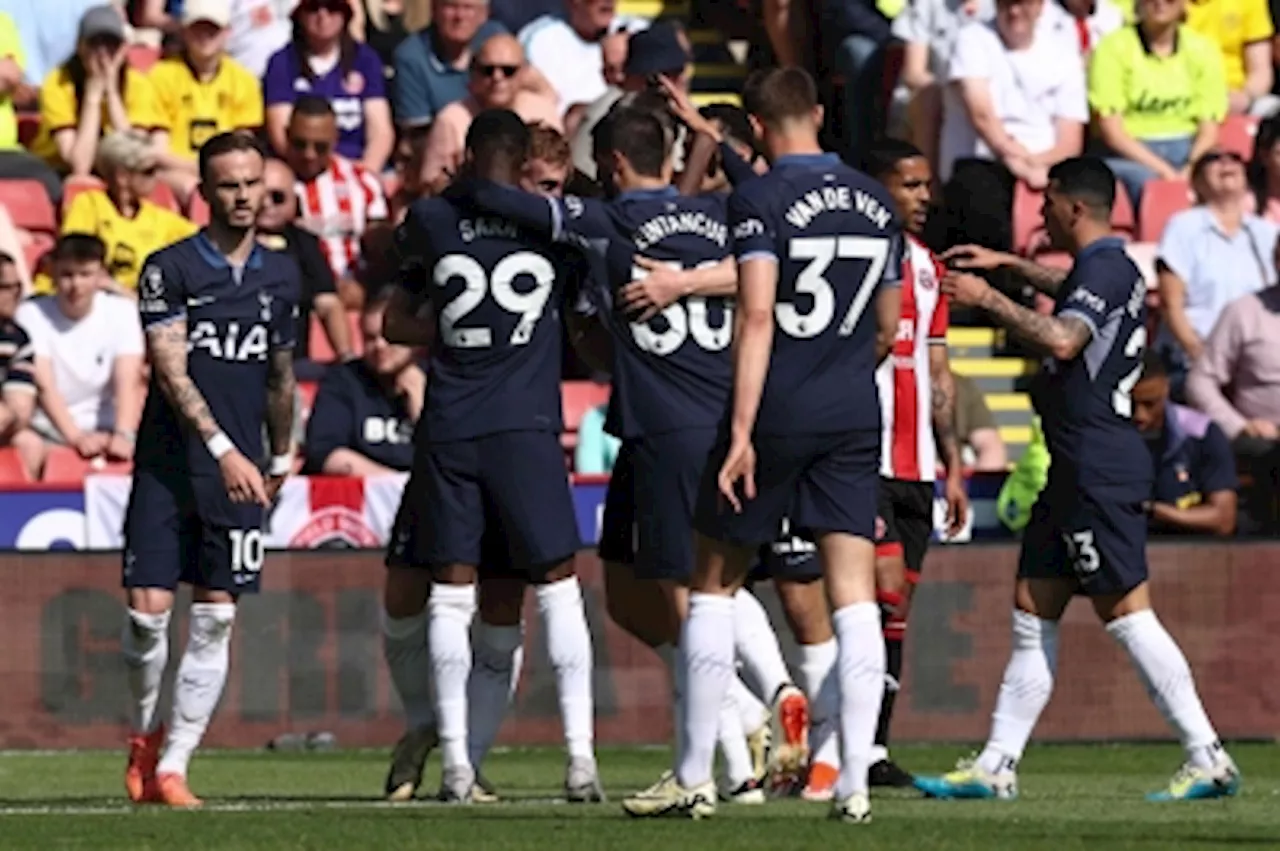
x=1072, y=797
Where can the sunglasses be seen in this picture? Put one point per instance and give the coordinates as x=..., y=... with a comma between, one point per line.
x=321, y=148
x=277, y=196
x=505, y=71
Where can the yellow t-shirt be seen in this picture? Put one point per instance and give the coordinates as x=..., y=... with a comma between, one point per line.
x=59, y=110
x=1159, y=97
x=128, y=241
x=1232, y=25
x=194, y=111
x=10, y=48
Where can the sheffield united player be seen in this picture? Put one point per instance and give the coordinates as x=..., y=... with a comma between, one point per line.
x=1088, y=530
x=491, y=457
x=818, y=250
x=220, y=314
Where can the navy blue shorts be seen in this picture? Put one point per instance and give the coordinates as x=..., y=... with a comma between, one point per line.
x=823, y=482
x=513, y=483
x=791, y=556
x=1087, y=535
x=186, y=530
x=666, y=471
x=618, y=523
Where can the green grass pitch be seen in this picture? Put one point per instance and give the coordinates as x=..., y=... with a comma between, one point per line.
x=1073, y=797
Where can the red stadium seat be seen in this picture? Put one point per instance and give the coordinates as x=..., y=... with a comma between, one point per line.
x=308, y=389
x=162, y=196
x=1123, y=220
x=198, y=209
x=11, y=470
x=65, y=466
x=318, y=348
x=29, y=205
x=28, y=128
x=1160, y=200
x=74, y=186
x=578, y=397
x=1237, y=134
x=141, y=57
x=34, y=252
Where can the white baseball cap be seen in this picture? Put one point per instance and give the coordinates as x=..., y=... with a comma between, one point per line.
x=214, y=11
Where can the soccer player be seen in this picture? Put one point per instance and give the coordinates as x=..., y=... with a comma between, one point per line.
x=492, y=451
x=818, y=251
x=1088, y=532
x=219, y=313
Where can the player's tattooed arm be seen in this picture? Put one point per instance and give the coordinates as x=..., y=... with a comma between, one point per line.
x=943, y=394
x=281, y=392
x=1044, y=278
x=167, y=349
x=1061, y=337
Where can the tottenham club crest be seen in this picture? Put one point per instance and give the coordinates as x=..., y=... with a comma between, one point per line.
x=151, y=291
x=264, y=302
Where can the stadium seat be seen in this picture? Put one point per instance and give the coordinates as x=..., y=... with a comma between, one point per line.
x=1160, y=200
x=28, y=128
x=29, y=205
x=318, y=348
x=35, y=251
x=74, y=186
x=1237, y=134
x=142, y=56
x=11, y=470
x=162, y=196
x=65, y=466
x=198, y=209
x=1123, y=219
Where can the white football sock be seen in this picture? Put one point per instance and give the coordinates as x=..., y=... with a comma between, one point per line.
x=451, y=609
x=495, y=671
x=201, y=675
x=564, y=621
x=757, y=644
x=670, y=656
x=733, y=746
x=145, y=645
x=822, y=686
x=404, y=646
x=706, y=648
x=860, y=664
x=1167, y=676
x=752, y=712
x=1024, y=691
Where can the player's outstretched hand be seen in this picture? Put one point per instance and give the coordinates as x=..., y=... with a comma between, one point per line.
x=243, y=479
x=975, y=257
x=682, y=107
x=739, y=466
x=964, y=288
x=649, y=296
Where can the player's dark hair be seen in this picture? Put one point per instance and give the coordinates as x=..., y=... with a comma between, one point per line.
x=777, y=95
x=79, y=248
x=312, y=106
x=227, y=143
x=652, y=102
x=498, y=135
x=733, y=119
x=885, y=154
x=549, y=145
x=640, y=137
x=1154, y=365
x=1086, y=179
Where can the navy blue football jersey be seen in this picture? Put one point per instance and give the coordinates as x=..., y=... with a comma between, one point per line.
x=673, y=371
x=1084, y=403
x=497, y=291
x=235, y=317
x=832, y=231
x=353, y=410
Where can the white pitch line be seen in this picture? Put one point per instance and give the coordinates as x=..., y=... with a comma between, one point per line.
x=260, y=807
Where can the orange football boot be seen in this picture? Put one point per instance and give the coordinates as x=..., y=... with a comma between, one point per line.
x=174, y=791
x=140, y=773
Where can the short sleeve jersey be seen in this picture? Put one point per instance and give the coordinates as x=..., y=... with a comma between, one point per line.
x=60, y=109
x=1084, y=403
x=496, y=290
x=17, y=358
x=236, y=316
x=353, y=411
x=1192, y=458
x=832, y=233
x=196, y=111
x=346, y=89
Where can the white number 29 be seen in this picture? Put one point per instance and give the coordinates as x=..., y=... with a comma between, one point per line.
x=476, y=284
x=821, y=252
x=1122, y=398
x=683, y=321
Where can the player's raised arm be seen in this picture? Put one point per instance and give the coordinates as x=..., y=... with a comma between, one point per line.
x=561, y=219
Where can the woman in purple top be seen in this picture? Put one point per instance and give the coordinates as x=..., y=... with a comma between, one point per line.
x=323, y=59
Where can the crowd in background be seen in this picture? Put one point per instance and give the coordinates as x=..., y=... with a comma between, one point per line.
x=365, y=105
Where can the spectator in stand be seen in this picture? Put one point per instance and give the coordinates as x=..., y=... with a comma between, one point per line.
x=201, y=92
x=15, y=161
x=88, y=361
x=1237, y=383
x=1158, y=93
x=340, y=200
x=859, y=32
x=17, y=365
x=121, y=216
x=1242, y=31
x=323, y=59
x=597, y=450
x=433, y=66
x=495, y=69
x=1209, y=256
x=92, y=93
x=1015, y=106
x=1264, y=170
x=259, y=28
x=49, y=32
x=386, y=23
x=566, y=49
x=515, y=15
x=581, y=117
x=365, y=410
x=981, y=446
x=1083, y=22
x=278, y=230
x=1195, y=483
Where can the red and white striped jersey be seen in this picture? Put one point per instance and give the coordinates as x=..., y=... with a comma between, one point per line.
x=907, y=449
x=337, y=206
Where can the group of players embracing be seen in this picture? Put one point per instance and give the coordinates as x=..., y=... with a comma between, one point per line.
x=780, y=386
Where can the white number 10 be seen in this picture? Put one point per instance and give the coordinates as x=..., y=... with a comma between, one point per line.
x=821, y=252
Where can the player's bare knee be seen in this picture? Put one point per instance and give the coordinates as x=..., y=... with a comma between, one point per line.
x=720, y=568
x=149, y=601
x=849, y=566
x=804, y=604
x=891, y=573
x=1110, y=607
x=404, y=595
x=1047, y=599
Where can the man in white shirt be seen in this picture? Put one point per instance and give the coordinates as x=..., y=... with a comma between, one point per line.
x=567, y=49
x=88, y=361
